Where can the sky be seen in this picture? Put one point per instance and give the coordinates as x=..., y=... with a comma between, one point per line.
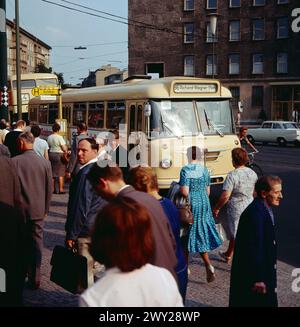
x=62, y=29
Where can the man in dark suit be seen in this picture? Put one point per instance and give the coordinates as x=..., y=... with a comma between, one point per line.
x=253, y=272
x=83, y=204
x=108, y=182
x=35, y=176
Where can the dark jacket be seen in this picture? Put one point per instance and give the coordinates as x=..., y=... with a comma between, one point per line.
x=83, y=205
x=12, y=143
x=12, y=256
x=165, y=245
x=10, y=189
x=254, y=258
x=35, y=176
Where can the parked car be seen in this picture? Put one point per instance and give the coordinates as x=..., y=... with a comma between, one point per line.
x=282, y=132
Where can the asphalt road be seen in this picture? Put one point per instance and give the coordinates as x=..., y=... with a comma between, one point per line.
x=284, y=162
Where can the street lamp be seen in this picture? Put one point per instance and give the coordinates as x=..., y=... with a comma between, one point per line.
x=213, y=28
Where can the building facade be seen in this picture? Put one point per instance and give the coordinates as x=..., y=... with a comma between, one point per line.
x=33, y=51
x=253, y=51
x=106, y=74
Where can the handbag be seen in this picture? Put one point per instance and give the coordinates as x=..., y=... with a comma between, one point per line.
x=69, y=270
x=185, y=211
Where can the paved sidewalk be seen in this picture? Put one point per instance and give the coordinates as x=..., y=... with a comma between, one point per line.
x=199, y=294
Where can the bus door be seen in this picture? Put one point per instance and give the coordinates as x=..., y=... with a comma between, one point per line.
x=136, y=128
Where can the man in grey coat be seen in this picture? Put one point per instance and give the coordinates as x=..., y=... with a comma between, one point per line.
x=108, y=182
x=35, y=178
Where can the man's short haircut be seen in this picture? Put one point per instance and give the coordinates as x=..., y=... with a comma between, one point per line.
x=239, y=156
x=92, y=141
x=110, y=171
x=265, y=183
x=55, y=127
x=36, y=130
x=143, y=178
x=27, y=137
x=82, y=127
x=244, y=128
x=115, y=132
x=122, y=236
x=20, y=123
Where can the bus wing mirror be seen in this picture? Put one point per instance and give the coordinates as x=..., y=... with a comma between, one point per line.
x=147, y=110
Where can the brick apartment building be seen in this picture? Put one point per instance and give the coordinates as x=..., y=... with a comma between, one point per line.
x=33, y=51
x=254, y=52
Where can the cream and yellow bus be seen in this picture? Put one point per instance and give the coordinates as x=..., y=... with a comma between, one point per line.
x=28, y=83
x=160, y=117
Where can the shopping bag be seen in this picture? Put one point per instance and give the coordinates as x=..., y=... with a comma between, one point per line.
x=69, y=270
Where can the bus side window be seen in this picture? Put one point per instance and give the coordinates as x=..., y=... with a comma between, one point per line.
x=96, y=115
x=79, y=113
x=53, y=113
x=132, y=118
x=33, y=114
x=140, y=118
x=67, y=113
x=115, y=114
x=43, y=113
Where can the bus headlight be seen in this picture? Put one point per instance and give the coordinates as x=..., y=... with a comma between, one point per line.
x=166, y=163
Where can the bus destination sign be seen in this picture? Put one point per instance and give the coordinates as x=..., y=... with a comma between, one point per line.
x=195, y=88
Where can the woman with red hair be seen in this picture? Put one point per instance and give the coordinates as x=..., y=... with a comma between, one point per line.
x=122, y=240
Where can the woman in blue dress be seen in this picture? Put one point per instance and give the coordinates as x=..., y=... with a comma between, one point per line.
x=195, y=183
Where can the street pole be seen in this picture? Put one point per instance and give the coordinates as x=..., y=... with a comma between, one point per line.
x=3, y=63
x=18, y=68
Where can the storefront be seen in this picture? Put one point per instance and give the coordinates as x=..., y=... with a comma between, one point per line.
x=285, y=101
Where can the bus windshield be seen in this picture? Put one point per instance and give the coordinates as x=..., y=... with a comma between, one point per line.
x=178, y=118
x=173, y=118
x=31, y=83
x=215, y=117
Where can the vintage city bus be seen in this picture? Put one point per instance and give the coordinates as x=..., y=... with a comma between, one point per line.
x=28, y=83
x=162, y=116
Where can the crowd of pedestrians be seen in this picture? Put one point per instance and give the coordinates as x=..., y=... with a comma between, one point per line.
x=130, y=234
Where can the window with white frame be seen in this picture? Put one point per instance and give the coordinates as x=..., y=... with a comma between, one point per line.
x=282, y=28
x=189, y=66
x=234, y=3
x=259, y=2
x=258, y=29
x=189, y=5
x=234, y=30
x=282, y=63
x=209, y=35
x=211, y=4
x=211, y=65
x=257, y=63
x=282, y=2
x=188, y=32
x=234, y=64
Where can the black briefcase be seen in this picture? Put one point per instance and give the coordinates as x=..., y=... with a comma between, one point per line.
x=69, y=270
